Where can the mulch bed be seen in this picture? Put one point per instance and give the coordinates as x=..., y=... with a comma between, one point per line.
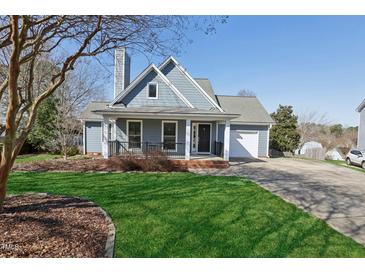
x=112, y=164
x=83, y=165
x=52, y=226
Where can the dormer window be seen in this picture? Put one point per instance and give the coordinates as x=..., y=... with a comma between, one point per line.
x=152, y=90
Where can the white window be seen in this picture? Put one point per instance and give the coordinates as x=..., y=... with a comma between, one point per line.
x=134, y=130
x=169, y=135
x=152, y=90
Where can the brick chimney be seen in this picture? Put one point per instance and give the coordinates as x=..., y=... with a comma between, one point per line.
x=122, y=70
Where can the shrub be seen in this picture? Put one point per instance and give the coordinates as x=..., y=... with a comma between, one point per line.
x=155, y=161
x=72, y=151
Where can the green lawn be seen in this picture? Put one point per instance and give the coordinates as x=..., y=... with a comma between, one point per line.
x=28, y=158
x=187, y=215
x=343, y=164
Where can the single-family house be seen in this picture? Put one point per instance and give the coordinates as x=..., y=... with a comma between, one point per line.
x=165, y=109
x=361, y=136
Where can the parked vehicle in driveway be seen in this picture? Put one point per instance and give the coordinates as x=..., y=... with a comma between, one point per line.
x=356, y=157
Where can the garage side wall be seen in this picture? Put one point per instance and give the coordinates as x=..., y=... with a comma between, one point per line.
x=263, y=135
x=93, y=137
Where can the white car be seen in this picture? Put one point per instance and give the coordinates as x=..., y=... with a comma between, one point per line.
x=356, y=157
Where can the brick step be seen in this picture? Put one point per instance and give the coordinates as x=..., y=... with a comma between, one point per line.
x=201, y=163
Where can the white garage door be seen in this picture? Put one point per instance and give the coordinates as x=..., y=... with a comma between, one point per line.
x=244, y=144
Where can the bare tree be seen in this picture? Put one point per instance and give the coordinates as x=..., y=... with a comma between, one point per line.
x=63, y=40
x=246, y=93
x=310, y=125
x=80, y=87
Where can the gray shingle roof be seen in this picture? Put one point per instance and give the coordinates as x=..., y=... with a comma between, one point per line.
x=205, y=84
x=361, y=106
x=250, y=109
x=164, y=111
x=88, y=111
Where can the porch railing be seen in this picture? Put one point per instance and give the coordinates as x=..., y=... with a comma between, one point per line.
x=218, y=149
x=147, y=149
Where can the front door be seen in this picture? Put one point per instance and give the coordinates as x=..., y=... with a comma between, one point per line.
x=203, y=138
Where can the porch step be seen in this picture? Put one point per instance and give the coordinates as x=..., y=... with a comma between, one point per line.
x=202, y=163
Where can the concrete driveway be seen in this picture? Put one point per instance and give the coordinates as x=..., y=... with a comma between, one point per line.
x=333, y=193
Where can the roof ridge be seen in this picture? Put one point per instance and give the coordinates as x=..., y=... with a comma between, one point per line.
x=242, y=96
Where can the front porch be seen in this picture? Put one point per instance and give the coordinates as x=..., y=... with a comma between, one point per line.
x=186, y=139
x=150, y=149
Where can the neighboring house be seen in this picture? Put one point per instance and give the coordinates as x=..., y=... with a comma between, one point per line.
x=361, y=136
x=165, y=108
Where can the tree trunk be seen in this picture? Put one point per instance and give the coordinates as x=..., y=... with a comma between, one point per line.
x=13, y=106
x=5, y=167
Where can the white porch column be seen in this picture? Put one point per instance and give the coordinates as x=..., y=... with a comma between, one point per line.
x=84, y=137
x=187, y=139
x=227, y=136
x=104, y=137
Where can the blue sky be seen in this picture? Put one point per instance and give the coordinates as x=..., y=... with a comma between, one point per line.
x=315, y=63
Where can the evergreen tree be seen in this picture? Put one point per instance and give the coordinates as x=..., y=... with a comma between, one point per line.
x=43, y=135
x=284, y=135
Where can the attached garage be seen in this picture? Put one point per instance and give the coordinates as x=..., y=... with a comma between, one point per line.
x=244, y=144
x=249, y=134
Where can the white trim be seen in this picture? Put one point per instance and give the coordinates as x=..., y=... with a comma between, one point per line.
x=187, y=138
x=105, y=137
x=248, y=123
x=162, y=133
x=182, y=116
x=114, y=132
x=197, y=138
x=84, y=138
x=141, y=127
x=141, y=76
x=216, y=131
x=227, y=140
x=183, y=70
x=148, y=90
x=268, y=141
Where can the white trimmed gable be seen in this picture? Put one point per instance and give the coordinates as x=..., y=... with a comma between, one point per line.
x=136, y=94
x=181, y=79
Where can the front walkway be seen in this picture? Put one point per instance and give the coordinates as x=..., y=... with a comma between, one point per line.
x=333, y=193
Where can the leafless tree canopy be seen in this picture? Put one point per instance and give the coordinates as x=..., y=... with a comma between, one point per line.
x=246, y=93
x=81, y=86
x=314, y=126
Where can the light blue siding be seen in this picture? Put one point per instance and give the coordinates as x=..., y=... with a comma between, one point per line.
x=93, y=137
x=151, y=131
x=361, y=141
x=263, y=135
x=186, y=87
x=138, y=96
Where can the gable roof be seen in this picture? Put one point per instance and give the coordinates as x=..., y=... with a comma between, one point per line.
x=250, y=109
x=361, y=106
x=191, y=79
x=205, y=84
x=141, y=76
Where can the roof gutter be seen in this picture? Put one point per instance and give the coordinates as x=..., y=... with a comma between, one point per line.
x=221, y=115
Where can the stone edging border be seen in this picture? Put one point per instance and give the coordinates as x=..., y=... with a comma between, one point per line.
x=110, y=240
